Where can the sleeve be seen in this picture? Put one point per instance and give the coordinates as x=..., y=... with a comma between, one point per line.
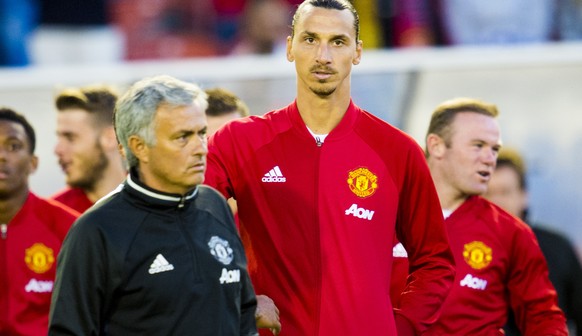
x=420, y=228
x=248, y=325
x=80, y=287
x=531, y=294
x=216, y=174
x=574, y=290
x=248, y=300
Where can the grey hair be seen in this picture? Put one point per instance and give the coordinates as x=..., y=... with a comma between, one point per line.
x=136, y=109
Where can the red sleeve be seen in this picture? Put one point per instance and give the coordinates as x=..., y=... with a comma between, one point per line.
x=531, y=294
x=421, y=230
x=399, y=272
x=216, y=174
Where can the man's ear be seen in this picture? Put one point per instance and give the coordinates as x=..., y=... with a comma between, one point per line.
x=139, y=148
x=435, y=145
x=358, y=54
x=33, y=164
x=290, y=57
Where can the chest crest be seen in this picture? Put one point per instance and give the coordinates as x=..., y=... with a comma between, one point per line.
x=362, y=182
x=477, y=255
x=39, y=258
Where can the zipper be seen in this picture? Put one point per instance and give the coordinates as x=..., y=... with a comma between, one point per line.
x=318, y=141
x=190, y=244
x=182, y=201
x=4, y=230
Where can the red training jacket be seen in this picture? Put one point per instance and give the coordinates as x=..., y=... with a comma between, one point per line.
x=29, y=246
x=321, y=220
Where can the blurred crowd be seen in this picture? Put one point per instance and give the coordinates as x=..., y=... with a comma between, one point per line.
x=69, y=31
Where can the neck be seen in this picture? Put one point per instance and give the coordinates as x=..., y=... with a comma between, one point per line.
x=322, y=115
x=449, y=196
x=10, y=207
x=114, y=175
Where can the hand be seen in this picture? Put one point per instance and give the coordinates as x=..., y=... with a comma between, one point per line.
x=267, y=315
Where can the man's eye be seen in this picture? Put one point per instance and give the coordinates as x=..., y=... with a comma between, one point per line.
x=14, y=147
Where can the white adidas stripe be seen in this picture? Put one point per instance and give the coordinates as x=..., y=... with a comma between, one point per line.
x=274, y=175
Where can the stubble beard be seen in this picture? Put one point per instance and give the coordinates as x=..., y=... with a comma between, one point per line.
x=323, y=92
x=94, y=171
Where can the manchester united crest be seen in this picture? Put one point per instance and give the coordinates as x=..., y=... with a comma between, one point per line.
x=221, y=250
x=39, y=258
x=362, y=182
x=477, y=255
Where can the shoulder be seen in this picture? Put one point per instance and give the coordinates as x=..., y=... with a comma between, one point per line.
x=74, y=198
x=109, y=212
x=212, y=202
x=210, y=199
x=52, y=214
x=254, y=126
x=67, y=193
x=506, y=223
x=51, y=210
x=382, y=134
x=210, y=195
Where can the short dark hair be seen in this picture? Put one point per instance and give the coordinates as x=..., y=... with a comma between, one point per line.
x=13, y=116
x=99, y=101
x=222, y=101
x=328, y=4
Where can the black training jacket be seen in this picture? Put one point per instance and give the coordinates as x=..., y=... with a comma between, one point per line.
x=141, y=262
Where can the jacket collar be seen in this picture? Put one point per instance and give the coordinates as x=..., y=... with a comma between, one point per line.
x=147, y=194
x=345, y=126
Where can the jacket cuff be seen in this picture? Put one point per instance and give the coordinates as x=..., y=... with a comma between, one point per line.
x=404, y=326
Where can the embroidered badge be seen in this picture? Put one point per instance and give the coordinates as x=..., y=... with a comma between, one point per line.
x=39, y=258
x=477, y=255
x=220, y=250
x=362, y=182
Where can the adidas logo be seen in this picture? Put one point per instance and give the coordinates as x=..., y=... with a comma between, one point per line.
x=274, y=175
x=160, y=264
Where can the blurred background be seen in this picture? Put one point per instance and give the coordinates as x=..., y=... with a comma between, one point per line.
x=523, y=55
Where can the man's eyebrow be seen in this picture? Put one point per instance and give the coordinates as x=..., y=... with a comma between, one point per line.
x=334, y=37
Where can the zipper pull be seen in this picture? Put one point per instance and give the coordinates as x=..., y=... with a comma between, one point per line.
x=4, y=230
x=318, y=141
x=182, y=201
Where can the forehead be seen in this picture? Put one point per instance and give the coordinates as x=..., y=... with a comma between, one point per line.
x=10, y=130
x=475, y=125
x=180, y=117
x=73, y=117
x=325, y=21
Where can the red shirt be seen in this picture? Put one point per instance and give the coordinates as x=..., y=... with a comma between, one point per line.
x=28, y=253
x=321, y=219
x=74, y=198
x=499, y=264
